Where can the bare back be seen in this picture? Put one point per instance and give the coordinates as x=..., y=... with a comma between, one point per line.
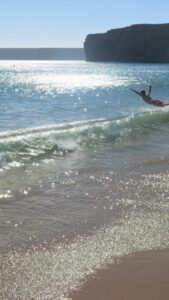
x=147, y=98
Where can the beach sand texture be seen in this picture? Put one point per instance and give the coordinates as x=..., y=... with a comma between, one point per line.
x=143, y=276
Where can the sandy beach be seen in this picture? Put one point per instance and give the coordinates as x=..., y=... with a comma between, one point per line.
x=143, y=276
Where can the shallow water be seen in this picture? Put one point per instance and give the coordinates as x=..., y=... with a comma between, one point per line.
x=83, y=171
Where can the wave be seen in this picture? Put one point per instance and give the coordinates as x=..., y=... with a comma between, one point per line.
x=32, y=144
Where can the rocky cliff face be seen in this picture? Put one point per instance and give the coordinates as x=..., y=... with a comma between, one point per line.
x=147, y=43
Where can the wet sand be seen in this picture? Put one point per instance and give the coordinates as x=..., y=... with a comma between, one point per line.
x=143, y=276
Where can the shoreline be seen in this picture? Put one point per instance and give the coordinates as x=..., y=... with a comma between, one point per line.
x=141, y=276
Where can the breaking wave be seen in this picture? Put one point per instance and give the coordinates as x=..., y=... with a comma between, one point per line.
x=26, y=145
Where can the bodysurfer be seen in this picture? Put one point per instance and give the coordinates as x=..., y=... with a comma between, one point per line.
x=147, y=98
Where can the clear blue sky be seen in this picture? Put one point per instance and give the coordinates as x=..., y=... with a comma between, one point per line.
x=65, y=23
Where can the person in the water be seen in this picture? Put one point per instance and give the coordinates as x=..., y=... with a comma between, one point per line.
x=146, y=97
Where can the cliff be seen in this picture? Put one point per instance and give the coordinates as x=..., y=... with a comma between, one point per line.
x=147, y=43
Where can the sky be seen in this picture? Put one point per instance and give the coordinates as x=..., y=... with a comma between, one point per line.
x=66, y=23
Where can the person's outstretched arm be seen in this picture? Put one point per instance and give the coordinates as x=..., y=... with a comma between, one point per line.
x=149, y=92
x=135, y=92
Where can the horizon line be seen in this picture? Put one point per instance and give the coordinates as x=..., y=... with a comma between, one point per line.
x=41, y=47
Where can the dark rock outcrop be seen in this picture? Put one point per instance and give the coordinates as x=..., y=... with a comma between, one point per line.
x=147, y=43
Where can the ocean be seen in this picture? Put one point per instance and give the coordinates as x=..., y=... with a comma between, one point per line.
x=84, y=175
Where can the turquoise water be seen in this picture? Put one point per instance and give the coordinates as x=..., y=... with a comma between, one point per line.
x=50, y=109
x=82, y=179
